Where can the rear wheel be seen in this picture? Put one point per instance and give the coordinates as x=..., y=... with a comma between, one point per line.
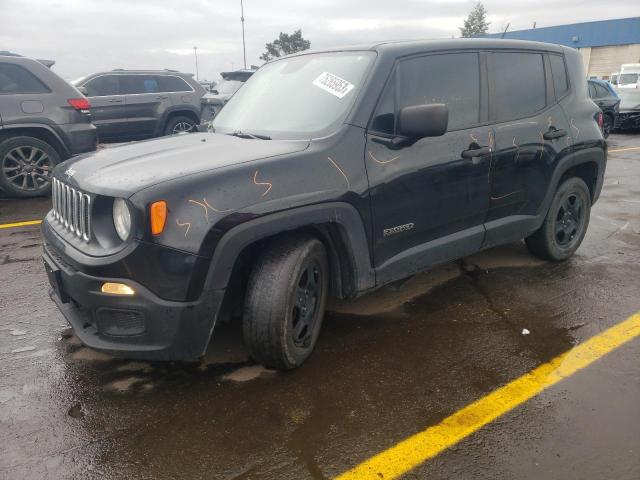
x=26, y=165
x=285, y=302
x=179, y=124
x=566, y=222
x=607, y=125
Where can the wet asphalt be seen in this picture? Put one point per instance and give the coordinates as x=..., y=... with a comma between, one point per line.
x=386, y=366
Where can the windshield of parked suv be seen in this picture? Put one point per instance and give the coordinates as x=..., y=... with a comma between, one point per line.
x=627, y=78
x=299, y=97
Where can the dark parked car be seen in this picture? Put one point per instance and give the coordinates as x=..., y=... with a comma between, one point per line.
x=136, y=104
x=220, y=94
x=603, y=94
x=43, y=121
x=329, y=173
x=629, y=114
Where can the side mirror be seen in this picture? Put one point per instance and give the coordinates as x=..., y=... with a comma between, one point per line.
x=83, y=91
x=419, y=121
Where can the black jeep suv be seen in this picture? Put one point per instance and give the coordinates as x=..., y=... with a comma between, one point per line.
x=329, y=173
x=43, y=120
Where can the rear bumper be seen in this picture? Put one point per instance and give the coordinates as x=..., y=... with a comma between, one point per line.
x=141, y=326
x=79, y=137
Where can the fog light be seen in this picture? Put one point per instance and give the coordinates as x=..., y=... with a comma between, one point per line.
x=117, y=289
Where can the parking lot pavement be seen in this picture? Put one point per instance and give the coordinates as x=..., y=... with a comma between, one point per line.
x=387, y=366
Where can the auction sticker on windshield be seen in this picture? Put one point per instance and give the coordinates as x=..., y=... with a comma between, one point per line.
x=333, y=84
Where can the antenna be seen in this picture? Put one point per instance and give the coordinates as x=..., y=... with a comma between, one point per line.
x=505, y=30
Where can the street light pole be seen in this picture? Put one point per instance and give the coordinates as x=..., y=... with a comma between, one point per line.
x=244, y=49
x=195, y=53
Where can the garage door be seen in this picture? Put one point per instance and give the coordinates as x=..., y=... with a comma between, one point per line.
x=603, y=61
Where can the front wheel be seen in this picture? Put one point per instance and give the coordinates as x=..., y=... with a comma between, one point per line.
x=285, y=302
x=566, y=222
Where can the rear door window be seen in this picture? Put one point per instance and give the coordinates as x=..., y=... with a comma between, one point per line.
x=519, y=84
x=592, y=90
x=452, y=79
x=139, y=84
x=103, y=86
x=559, y=72
x=170, y=83
x=17, y=79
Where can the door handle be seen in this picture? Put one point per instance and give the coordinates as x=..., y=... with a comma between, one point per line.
x=115, y=100
x=161, y=97
x=554, y=133
x=475, y=152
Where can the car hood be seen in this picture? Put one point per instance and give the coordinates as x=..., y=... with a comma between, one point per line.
x=216, y=99
x=126, y=169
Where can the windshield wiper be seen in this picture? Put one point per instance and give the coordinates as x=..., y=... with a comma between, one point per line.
x=240, y=134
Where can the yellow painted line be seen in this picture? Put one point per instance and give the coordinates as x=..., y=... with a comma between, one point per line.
x=623, y=149
x=20, y=224
x=415, y=450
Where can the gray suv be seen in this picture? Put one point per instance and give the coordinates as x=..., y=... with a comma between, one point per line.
x=136, y=104
x=43, y=121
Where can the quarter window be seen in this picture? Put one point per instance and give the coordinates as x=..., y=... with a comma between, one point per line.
x=102, y=86
x=16, y=79
x=559, y=72
x=601, y=92
x=519, y=84
x=452, y=79
x=170, y=83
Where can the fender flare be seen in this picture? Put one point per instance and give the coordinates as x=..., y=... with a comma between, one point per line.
x=38, y=126
x=340, y=214
x=593, y=154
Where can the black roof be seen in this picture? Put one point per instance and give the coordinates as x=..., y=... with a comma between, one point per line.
x=408, y=47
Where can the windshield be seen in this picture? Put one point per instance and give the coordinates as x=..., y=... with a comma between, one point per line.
x=299, y=97
x=228, y=87
x=626, y=78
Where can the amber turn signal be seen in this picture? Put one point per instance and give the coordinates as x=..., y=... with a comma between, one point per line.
x=117, y=289
x=158, y=213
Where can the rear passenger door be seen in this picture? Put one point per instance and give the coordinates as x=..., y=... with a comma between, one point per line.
x=146, y=103
x=428, y=202
x=108, y=108
x=531, y=134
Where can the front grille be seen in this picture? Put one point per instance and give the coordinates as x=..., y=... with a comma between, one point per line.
x=72, y=208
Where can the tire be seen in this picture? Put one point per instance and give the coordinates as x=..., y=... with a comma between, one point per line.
x=285, y=302
x=566, y=222
x=179, y=124
x=607, y=125
x=26, y=165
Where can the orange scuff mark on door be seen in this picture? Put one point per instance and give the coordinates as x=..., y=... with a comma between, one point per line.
x=382, y=162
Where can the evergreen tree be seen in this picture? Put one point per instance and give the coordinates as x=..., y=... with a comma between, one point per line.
x=476, y=23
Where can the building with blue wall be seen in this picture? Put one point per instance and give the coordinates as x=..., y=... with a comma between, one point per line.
x=604, y=45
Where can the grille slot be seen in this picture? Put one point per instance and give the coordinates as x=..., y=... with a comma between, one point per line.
x=72, y=208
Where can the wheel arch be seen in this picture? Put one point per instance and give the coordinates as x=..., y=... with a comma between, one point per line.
x=337, y=225
x=190, y=112
x=41, y=132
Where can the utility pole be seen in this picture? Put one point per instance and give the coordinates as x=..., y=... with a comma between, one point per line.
x=195, y=53
x=244, y=49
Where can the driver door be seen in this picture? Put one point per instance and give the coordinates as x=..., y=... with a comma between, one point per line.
x=428, y=200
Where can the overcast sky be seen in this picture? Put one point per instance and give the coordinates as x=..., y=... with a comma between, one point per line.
x=84, y=36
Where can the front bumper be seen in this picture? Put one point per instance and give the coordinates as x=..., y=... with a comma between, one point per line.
x=141, y=326
x=627, y=120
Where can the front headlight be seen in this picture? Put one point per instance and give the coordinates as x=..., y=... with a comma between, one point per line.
x=122, y=218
